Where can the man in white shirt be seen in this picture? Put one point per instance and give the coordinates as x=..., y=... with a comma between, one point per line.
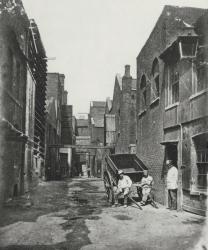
x=124, y=185
x=172, y=184
x=146, y=185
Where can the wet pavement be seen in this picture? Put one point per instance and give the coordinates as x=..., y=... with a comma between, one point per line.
x=74, y=214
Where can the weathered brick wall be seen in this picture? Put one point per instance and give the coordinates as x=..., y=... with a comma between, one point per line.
x=97, y=134
x=66, y=124
x=124, y=109
x=150, y=123
x=12, y=112
x=116, y=106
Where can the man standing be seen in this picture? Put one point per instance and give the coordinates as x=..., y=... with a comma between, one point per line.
x=172, y=185
x=146, y=185
x=124, y=185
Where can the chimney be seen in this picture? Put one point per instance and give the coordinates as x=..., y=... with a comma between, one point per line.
x=127, y=71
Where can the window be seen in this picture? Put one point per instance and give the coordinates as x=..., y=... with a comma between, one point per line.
x=143, y=98
x=155, y=90
x=201, y=146
x=188, y=46
x=172, y=88
x=10, y=69
x=17, y=80
x=199, y=74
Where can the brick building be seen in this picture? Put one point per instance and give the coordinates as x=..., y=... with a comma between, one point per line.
x=171, y=101
x=96, y=121
x=82, y=138
x=38, y=66
x=22, y=56
x=54, y=101
x=67, y=138
x=59, y=128
x=109, y=125
x=120, y=117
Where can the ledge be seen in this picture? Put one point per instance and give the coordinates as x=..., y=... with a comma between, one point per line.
x=198, y=94
x=198, y=192
x=142, y=112
x=154, y=101
x=172, y=106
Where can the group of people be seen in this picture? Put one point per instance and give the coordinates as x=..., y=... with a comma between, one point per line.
x=146, y=184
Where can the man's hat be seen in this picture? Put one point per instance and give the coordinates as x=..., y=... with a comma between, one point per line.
x=169, y=162
x=120, y=172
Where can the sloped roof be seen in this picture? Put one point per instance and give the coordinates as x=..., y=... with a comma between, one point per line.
x=119, y=79
x=178, y=17
x=109, y=103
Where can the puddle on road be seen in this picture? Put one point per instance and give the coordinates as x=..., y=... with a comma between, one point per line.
x=122, y=217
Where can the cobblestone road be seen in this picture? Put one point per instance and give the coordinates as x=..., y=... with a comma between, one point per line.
x=73, y=214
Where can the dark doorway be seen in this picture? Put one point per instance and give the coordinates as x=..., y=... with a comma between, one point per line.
x=172, y=153
x=15, y=190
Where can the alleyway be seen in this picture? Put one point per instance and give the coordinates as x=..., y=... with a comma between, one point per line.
x=74, y=214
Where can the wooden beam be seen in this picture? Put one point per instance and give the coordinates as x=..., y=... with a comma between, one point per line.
x=79, y=146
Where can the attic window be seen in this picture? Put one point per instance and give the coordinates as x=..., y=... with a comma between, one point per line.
x=188, y=46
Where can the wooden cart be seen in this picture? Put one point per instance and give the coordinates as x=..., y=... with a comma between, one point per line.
x=131, y=166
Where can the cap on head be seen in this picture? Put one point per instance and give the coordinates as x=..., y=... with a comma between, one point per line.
x=145, y=172
x=120, y=172
x=169, y=162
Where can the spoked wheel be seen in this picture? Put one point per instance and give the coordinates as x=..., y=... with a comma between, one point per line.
x=108, y=188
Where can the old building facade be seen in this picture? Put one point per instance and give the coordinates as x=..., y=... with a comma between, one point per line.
x=54, y=102
x=21, y=57
x=59, y=129
x=171, y=96
x=120, y=116
x=83, y=139
x=96, y=121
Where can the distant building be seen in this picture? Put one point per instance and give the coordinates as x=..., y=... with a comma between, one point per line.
x=67, y=138
x=22, y=99
x=55, y=91
x=59, y=129
x=82, y=139
x=172, y=104
x=120, y=115
x=96, y=121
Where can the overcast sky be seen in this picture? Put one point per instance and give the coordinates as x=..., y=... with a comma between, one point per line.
x=92, y=40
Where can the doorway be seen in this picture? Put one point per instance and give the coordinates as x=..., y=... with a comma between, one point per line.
x=171, y=153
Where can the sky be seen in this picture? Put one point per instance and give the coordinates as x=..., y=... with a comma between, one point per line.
x=92, y=40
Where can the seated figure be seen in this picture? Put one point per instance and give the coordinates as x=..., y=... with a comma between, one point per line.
x=146, y=185
x=124, y=185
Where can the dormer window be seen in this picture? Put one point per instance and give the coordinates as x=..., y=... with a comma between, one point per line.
x=188, y=46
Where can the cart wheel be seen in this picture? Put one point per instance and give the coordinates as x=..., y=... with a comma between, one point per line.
x=108, y=189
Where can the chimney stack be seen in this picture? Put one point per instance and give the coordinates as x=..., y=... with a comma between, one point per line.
x=127, y=71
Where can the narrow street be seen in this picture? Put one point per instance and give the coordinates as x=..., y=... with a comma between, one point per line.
x=73, y=214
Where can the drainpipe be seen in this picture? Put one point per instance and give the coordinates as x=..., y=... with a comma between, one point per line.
x=180, y=168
